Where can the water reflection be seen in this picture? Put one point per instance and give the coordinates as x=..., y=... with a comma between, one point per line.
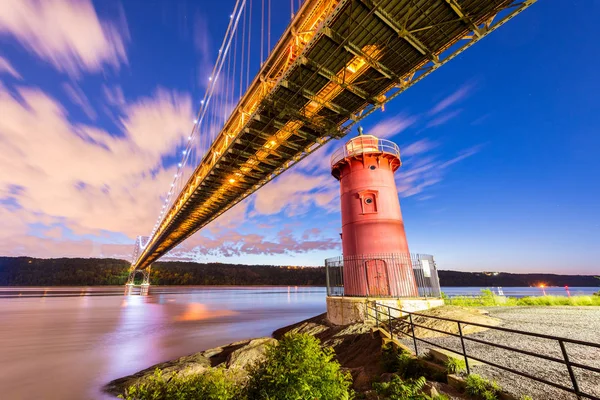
x=66, y=343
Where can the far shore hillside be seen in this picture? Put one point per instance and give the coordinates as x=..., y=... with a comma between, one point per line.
x=26, y=271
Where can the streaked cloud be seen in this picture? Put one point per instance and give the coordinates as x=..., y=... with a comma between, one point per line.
x=78, y=97
x=66, y=33
x=453, y=98
x=7, y=68
x=392, y=126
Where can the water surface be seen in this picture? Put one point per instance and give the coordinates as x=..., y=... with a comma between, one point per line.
x=67, y=342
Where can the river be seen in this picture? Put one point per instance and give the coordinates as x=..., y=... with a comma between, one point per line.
x=66, y=343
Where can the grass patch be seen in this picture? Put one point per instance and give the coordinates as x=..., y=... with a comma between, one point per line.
x=482, y=388
x=487, y=298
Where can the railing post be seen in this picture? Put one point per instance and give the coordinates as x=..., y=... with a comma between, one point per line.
x=412, y=328
x=390, y=323
x=569, y=368
x=376, y=315
x=327, y=278
x=464, y=350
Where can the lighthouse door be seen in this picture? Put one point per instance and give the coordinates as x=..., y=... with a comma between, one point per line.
x=377, y=278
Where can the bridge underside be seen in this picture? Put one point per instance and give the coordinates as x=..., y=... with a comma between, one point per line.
x=338, y=62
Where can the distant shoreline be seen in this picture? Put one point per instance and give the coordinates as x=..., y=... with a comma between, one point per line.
x=32, y=272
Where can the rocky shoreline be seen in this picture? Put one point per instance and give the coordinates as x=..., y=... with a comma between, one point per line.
x=358, y=348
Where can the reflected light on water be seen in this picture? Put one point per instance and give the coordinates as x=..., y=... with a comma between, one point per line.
x=199, y=311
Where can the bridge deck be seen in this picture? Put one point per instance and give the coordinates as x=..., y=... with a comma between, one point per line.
x=337, y=62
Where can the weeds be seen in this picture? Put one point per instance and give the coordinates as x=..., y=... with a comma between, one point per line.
x=410, y=389
x=455, y=365
x=482, y=388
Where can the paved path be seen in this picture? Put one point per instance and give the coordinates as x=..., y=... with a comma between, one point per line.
x=582, y=323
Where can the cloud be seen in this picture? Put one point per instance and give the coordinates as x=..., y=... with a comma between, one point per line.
x=454, y=98
x=420, y=146
x=79, y=98
x=294, y=192
x=233, y=243
x=443, y=118
x=89, y=179
x=66, y=33
x=392, y=126
x=7, y=68
x=421, y=172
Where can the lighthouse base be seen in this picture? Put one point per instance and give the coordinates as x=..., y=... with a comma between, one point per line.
x=350, y=310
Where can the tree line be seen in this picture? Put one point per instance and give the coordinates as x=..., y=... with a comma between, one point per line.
x=26, y=271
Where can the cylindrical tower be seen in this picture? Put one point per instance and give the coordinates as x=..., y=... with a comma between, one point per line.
x=376, y=256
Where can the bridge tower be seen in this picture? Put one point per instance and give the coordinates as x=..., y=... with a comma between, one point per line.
x=376, y=264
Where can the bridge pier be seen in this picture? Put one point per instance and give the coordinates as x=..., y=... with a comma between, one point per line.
x=145, y=276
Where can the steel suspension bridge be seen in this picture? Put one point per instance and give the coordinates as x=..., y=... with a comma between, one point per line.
x=337, y=62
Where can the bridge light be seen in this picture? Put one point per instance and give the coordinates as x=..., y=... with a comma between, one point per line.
x=273, y=142
x=231, y=16
x=210, y=78
x=184, y=152
x=179, y=165
x=195, y=121
x=231, y=180
x=189, y=138
x=201, y=101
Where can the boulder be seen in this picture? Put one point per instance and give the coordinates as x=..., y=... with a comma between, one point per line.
x=247, y=355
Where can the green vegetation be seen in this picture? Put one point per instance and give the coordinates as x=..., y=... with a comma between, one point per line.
x=398, y=389
x=488, y=299
x=298, y=368
x=455, y=365
x=482, y=388
x=399, y=361
x=214, y=384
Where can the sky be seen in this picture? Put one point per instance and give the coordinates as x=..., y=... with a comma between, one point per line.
x=500, y=146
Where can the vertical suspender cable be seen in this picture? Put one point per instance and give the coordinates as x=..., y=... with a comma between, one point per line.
x=249, y=43
x=243, y=53
x=291, y=9
x=262, y=31
x=269, y=28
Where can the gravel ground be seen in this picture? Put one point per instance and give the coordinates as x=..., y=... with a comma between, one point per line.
x=580, y=323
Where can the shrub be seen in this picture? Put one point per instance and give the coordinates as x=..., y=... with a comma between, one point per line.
x=210, y=385
x=455, y=365
x=398, y=389
x=298, y=368
x=400, y=361
x=482, y=388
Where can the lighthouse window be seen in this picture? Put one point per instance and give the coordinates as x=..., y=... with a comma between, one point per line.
x=372, y=167
x=368, y=200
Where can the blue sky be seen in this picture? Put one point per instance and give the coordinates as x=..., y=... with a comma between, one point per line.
x=500, y=146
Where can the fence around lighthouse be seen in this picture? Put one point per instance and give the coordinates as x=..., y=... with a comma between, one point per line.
x=423, y=268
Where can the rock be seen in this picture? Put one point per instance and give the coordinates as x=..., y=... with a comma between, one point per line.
x=249, y=354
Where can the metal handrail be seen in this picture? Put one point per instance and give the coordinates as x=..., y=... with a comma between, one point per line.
x=561, y=341
x=357, y=147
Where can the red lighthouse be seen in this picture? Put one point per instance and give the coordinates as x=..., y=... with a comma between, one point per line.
x=375, y=251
